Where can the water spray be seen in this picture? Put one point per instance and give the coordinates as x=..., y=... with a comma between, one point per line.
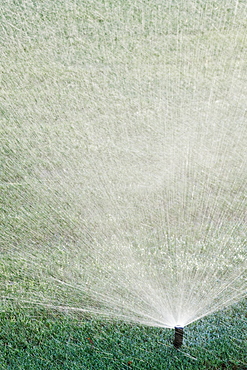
x=112, y=195
x=178, y=336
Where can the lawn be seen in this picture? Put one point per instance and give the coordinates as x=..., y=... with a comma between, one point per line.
x=35, y=338
x=123, y=152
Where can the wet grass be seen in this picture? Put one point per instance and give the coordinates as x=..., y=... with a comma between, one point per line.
x=35, y=338
x=66, y=66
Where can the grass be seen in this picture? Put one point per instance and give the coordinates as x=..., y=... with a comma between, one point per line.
x=33, y=338
x=131, y=87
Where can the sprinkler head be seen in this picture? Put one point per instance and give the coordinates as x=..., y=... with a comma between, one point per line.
x=178, y=338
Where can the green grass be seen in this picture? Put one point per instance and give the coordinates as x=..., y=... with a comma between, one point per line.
x=83, y=81
x=33, y=338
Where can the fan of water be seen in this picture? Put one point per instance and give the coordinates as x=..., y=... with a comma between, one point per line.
x=124, y=138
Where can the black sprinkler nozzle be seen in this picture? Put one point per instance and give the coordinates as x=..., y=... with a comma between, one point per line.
x=178, y=338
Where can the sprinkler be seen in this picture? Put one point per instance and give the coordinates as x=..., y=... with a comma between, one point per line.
x=178, y=337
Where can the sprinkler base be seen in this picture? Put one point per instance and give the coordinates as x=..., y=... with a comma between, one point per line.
x=178, y=338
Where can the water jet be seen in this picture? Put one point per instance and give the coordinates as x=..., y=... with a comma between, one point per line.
x=125, y=143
